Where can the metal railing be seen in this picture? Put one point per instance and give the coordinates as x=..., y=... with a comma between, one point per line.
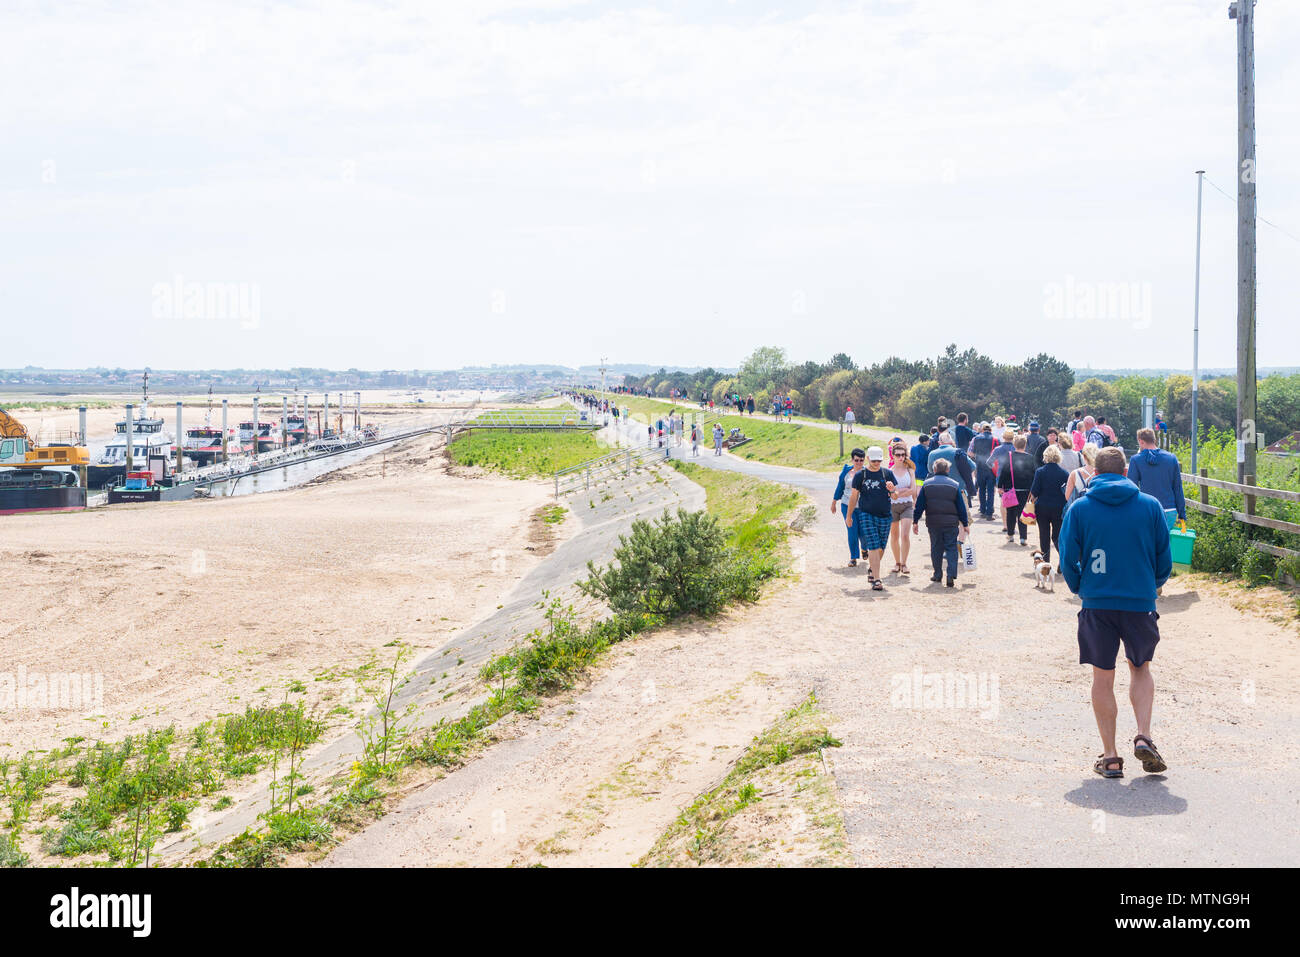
x=615, y=465
x=529, y=419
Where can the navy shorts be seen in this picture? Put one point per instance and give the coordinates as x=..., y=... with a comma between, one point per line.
x=1102, y=629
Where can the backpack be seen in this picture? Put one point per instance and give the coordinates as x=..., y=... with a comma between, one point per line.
x=1097, y=437
x=1080, y=487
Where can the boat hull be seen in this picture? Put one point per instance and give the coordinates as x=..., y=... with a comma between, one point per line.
x=155, y=493
x=61, y=498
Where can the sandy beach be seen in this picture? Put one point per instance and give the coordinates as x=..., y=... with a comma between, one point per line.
x=193, y=609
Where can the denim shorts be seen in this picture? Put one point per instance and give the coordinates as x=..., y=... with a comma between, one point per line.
x=1101, y=630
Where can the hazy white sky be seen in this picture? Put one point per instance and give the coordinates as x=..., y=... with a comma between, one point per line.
x=422, y=183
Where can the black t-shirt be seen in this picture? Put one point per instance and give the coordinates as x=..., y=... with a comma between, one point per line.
x=873, y=497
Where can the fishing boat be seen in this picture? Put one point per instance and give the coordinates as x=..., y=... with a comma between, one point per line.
x=296, y=425
x=203, y=444
x=267, y=438
x=152, y=447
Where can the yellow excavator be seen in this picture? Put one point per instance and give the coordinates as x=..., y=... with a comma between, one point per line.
x=36, y=478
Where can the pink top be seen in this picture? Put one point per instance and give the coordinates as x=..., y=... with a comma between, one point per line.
x=1077, y=438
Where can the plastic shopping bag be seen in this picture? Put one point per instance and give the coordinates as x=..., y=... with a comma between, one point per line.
x=967, y=557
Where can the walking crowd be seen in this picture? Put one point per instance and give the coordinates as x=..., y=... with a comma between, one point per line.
x=1108, y=519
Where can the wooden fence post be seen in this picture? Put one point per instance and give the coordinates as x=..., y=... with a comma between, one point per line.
x=1205, y=489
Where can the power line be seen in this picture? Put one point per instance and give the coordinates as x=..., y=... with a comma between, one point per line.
x=1284, y=232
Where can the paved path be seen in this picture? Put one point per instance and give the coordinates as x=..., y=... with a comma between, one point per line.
x=947, y=786
x=867, y=432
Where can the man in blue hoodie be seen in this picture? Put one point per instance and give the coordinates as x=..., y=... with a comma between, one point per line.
x=1114, y=550
x=1158, y=473
x=919, y=455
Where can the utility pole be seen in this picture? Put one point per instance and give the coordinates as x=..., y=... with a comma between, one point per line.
x=1196, y=318
x=1243, y=11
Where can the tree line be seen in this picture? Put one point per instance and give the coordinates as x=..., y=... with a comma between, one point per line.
x=910, y=395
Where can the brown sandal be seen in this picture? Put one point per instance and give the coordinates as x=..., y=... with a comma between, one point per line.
x=1152, y=763
x=1103, y=766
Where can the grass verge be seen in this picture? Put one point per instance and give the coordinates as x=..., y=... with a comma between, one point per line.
x=756, y=514
x=776, y=806
x=523, y=455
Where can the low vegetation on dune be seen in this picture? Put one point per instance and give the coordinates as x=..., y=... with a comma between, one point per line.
x=776, y=805
x=523, y=455
x=112, y=801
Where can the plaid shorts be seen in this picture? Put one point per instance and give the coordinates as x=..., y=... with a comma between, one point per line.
x=874, y=530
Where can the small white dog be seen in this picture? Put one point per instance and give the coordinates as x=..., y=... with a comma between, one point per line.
x=1044, y=573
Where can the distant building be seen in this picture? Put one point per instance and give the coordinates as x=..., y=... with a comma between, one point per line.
x=1290, y=445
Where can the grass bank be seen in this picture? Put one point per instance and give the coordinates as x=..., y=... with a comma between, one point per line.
x=756, y=514
x=776, y=806
x=523, y=455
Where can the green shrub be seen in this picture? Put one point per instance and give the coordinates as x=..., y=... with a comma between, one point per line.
x=178, y=813
x=1288, y=568
x=11, y=854
x=1220, y=543
x=677, y=565
x=1257, y=567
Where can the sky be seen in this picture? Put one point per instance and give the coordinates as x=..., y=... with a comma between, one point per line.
x=414, y=184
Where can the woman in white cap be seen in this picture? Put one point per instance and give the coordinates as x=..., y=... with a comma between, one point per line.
x=870, y=505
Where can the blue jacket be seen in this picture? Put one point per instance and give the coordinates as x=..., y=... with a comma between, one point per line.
x=1048, y=489
x=1159, y=474
x=1114, y=546
x=945, y=509
x=920, y=454
x=942, y=452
